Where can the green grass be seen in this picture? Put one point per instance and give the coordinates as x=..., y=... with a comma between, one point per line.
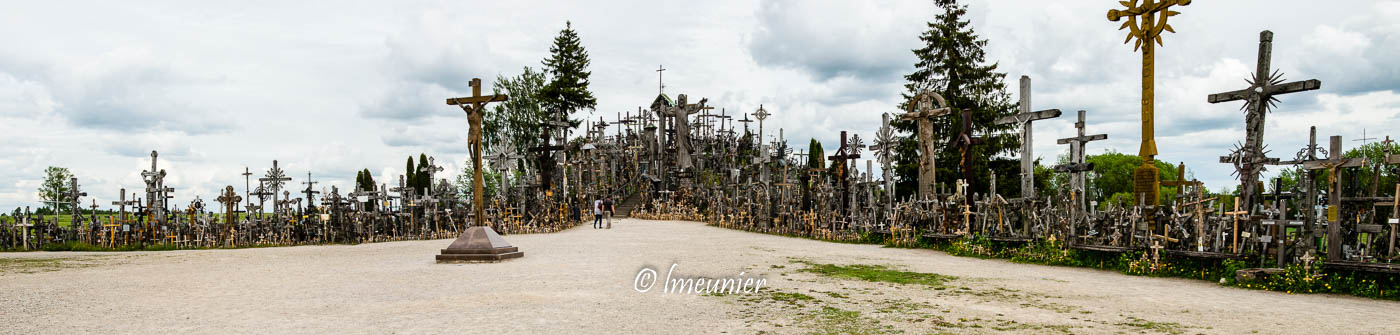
x=876, y=273
x=790, y=298
x=831, y=320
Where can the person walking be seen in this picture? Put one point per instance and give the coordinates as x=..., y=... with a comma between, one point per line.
x=597, y=213
x=608, y=210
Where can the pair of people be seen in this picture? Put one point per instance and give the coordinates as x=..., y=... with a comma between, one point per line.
x=602, y=207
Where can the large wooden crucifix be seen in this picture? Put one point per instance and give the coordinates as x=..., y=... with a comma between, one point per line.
x=922, y=109
x=964, y=142
x=1024, y=119
x=845, y=153
x=1334, y=190
x=1076, y=166
x=475, y=106
x=1145, y=24
x=1258, y=97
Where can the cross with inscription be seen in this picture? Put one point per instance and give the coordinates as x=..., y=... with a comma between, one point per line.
x=475, y=107
x=1258, y=97
x=1024, y=119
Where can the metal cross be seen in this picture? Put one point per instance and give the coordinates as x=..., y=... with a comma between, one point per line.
x=1146, y=23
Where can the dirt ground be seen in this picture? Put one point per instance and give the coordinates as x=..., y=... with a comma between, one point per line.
x=582, y=281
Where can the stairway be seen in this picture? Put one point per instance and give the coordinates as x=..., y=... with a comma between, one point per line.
x=625, y=207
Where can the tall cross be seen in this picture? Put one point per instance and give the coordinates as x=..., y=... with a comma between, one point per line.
x=155, y=189
x=1258, y=97
x=310, y=202
x=843, y=154
x=884, y=147
x=475, y=107
x=121, y=204
x=1334, y=189
x=922, y=109
x=1024, y=119
x=1145, y=24
x=964, y=142
x=274, y=179
x=660, y=88
x=1076, y=166
x=246, y=185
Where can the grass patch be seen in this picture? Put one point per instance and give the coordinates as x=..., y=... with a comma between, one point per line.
x=790, y=298
x=831, y=320
x=877, y=273
x=1164, y=327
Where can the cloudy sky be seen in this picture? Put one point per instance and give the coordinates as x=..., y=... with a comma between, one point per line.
x=334, y=87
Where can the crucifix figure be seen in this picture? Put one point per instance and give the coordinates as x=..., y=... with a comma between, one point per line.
x=844, y=154
x=475, y=107
x=1076, y=166
x=922, y=109
x=1258, y=97
x=1334, y=190
x=681, y=114
x=964, y=142
x=1145, y=24
x=1024, y=119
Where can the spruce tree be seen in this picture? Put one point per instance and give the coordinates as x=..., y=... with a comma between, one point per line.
x=408, y=174
x=423, y=178
x=567, y=65
x=952, y=63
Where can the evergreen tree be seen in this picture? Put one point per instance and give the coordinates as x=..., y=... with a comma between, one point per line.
x=816, y=158
x=518, y=119
x=55, y=188
x=408, y=175
x=951, y=63
x=567, y=66
x=423, y=179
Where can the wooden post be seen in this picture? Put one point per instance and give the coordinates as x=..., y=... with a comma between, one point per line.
x=1235, y=234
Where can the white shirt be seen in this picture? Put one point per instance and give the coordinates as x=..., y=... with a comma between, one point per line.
x=597, y=207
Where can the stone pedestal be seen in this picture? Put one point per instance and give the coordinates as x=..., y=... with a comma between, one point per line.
x=479, y=245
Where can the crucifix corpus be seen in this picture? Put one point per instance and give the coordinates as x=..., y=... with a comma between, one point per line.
x=475, y=106
x=479, y=243
x=1146, y=21
x=922, y=110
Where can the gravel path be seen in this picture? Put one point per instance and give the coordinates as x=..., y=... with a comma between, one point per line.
x=581, y=281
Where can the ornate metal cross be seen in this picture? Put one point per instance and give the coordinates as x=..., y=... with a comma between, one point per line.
x=1145, y=24
x=1249, y=159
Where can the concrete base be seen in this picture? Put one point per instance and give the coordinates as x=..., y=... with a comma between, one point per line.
x=479, y=245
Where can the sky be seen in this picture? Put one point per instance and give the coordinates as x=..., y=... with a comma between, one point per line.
x=330, y=88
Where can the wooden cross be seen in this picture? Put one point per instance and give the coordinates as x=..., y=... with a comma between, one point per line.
x=964, y=142
x=230, y=201
x=1076, y=166
x=922, y=109
x=1235, y=235
x=24, y=226
x=475, y=107
x=1334, y=197
x=1145, y=23
x=121, y=204
x=843, y=154
x=1024, y=119
x=1258, y=97
x=309, y=192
